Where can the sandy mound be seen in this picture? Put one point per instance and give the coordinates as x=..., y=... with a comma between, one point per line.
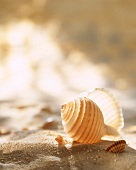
x=37, y=150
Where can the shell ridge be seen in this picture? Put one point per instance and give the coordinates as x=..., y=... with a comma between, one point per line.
x=70, y=111
x=92, y=136
x=117, y=146
x=68, y=108
x=100, y=132
x=79, y=119
x=114, y=122
x=78, y=128
x=74, y=114
x=98, y=95
x=90, y=133
x=84, y=123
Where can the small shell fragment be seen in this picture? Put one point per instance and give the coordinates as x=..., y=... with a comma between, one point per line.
x=50, y=123
x=60, y=140
x=25, y=128
x=4, y=131
x=117, y=146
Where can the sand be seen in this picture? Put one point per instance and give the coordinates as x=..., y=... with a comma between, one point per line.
x=38, y=150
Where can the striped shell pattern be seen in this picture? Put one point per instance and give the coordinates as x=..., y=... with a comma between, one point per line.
x=85, y=121
x=109, y=106
x=117, y=146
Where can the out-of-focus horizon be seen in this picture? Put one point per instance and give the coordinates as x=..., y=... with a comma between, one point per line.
x=60, y=48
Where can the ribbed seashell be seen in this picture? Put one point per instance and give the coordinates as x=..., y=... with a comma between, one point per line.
x=109, y=106
x=117, y=146
x=83, y=119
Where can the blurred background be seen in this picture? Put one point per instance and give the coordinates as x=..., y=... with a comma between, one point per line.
x=50, y=51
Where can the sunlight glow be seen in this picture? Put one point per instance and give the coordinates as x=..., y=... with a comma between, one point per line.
x=34, y=61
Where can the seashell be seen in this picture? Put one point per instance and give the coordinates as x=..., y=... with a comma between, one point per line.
x=109, y=106
x=83, y=119
x=60, y=140
x=4, y=131
x=117, y=146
